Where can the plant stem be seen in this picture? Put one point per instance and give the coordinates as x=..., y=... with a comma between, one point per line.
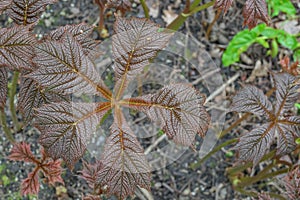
x=262, y=176
x=12, y=93
x=234, y=170
x=6, y=129
x=193, y=8
x=203, y=7
x=145, y=8
x=254, y=194
x=216, y=149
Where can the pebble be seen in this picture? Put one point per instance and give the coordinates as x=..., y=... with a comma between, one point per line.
x=246, y=59
x=186, y=191
x=75, y=10
x=157, y=185
x=222, y=39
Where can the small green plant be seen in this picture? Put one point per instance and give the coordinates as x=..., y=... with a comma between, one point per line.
x=268, y=37
x=277, y=6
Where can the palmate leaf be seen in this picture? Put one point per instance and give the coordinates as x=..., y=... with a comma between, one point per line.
x=3, y=86
x=179, y=108
x=135, y=42
x=66, y=128
x=286, y=92
x=223, y=5
x=16, y=47
x=51, y=169
x=27, y=11
x=124, y=164
x=65, y=67
x=32, y=96
x=251, y=99
x=81, y=33
x=285, y=128
x=253, y=10
x=253, y=145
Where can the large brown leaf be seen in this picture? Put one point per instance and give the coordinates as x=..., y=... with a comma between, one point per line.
x=135, y=42
x=124, y=164
x=27, y=11
x=16, y=47
x=65, y=67
x=286, y=92
x=66, y=128
x=178, y=108
x=253, y=145
x=251, y=99
x=81, y=33
x=32, y=96
x=3, y=86
x=254, y=10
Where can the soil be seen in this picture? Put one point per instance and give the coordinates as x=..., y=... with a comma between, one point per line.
x=176, y=180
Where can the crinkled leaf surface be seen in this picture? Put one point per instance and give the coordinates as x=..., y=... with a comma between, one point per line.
x=285, y=128
x=179, y=108
x=251, y=99
x=3, y=86
x=286, y=92
x=135, y=42
x=223, y=5
x=27, y=11
x=16, y=47
x=4, y=4
x=21, y=152
x=32, y=96
x=253, y=145
x=31, y=184
x=124, y=163
x=65, y=67
x=66, y=128
x=285, y=139
x=254, y=10
x=81, y=33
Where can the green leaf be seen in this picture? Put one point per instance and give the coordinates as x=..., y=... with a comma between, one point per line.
x=271, y=32
x=288, y=41
x=240, y=43
x=284, y=6
x=262, y=41
x=274, y=50
x=296, y=55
